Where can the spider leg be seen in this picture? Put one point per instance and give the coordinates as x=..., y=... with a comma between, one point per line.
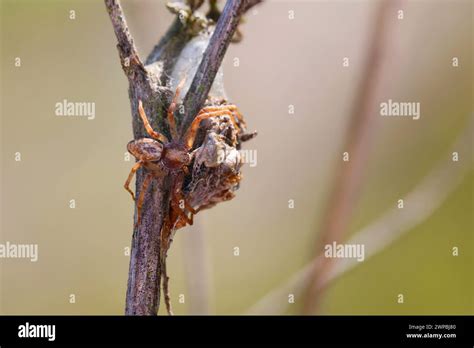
x=141, y=197
x=172, y=108
x=190, y=208
x=191, y=220
x=224, y=110
x=176, y=207
x=192, y=131
x=130, y=176
x=230, y=107
x=149, y=129
x=236, y=111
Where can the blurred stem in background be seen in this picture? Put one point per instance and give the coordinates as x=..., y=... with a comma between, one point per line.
x=424, y=200
x=358, y=140
x=197, y=270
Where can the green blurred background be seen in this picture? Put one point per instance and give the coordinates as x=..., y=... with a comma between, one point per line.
x=282, y=62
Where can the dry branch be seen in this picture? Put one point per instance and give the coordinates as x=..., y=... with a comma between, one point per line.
x=149, y=84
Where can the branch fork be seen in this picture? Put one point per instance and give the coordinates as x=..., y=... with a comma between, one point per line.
x=148, y=83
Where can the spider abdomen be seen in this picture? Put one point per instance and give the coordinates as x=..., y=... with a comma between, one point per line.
x=146, y=149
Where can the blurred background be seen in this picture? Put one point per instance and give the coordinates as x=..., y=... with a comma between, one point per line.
x=291, y=57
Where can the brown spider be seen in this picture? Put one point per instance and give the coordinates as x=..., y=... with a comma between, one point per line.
x=159, y=157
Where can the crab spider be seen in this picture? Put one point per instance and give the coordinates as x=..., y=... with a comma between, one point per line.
x=159, y=156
